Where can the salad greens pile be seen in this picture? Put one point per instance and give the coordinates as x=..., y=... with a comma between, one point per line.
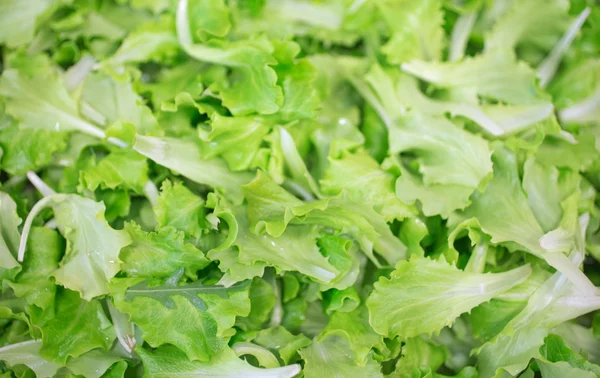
x=300, y=188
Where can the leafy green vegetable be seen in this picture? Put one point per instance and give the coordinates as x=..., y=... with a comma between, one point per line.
x=77, y=327
x=417, y=352
x=446, y=290
x=9, y=232
x=557, y=353
x=170, y=361
x=21, y=20
x=416, y=32
x=281, y=341
x=92, y=253
x=112, y=99
x=27, y=149
x=333, y=357
x=44, y=250
x=436, y=142
x=179, y=208
x=195, y=319
x=50, y=107
x=494, y=75
x=183, y=156
x=159, y=254
x=354, y=218
x=254, y=88
x=91, y=364
x=299, y=188
x=123, y=169
x=164, y=292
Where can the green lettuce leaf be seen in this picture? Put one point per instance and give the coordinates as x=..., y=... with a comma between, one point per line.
x=149, y=42
x=528, y=23
x=159, y=254
x=514, y=221
x=236, y=139
x=209, y=17
x=26, y=149
x=495, y=75
x=436, y=142
x=107, y=99
x=297, y=79
x=44, y=250
x=294, y=250
x=254, y=87
x=184, y=157
x=92, y=254
x=50, y=107
x=353, y=218
x=416, y=29
x=186, y=327
x=354, y=327
x=92, y=364
x=27, y=353
x=78, y=326
x=170, y=361
x=364, y=181
x=121, y=168
x=281, y=342
x=20, y=20
x=333, y=357
x=395, y=312
x=262, y=305
x=418, y=352
x=495, y=119
x=561, y=361
x=181, y=209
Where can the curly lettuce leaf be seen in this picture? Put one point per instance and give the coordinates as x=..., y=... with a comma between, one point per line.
x=124, y=169
x=361, y=222
x=49, y=107
x=364, y=181
x=26, y=149
x=535, y=23
x=560, y=361
x=254, y=87
x=332, y=357
x=236, y=139
x=181, y=209
x=92, y=364
x=395, y=311
x=76, y=327
x=293, y=250
x=170, y=361
x=418, y=352
x=416, y=29
x=282, y=342
x=159, y=254
x=107, y=99
x=149, y=42
x=44, y=250
x=184, y=157
x=20, y=20
x=92, y=254
x=446, y=158
x=355, y=328
x=497, y=75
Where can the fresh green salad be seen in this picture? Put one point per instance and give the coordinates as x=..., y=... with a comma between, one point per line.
x=300, y=188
